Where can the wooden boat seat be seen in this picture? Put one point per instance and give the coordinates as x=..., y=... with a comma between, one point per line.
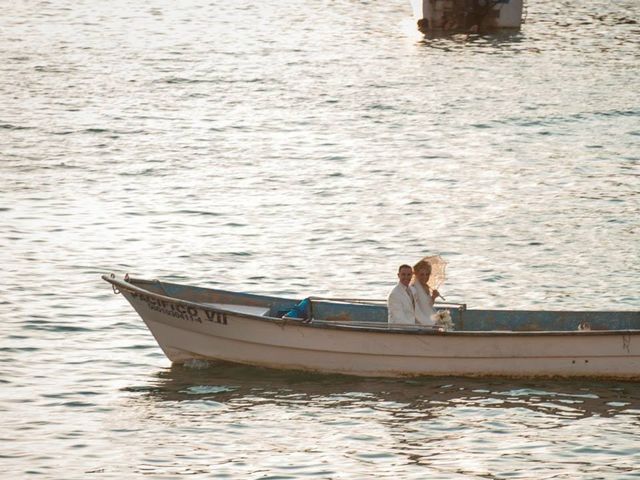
x=249, y=309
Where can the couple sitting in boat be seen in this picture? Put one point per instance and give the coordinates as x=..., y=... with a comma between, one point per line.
x=411, y=300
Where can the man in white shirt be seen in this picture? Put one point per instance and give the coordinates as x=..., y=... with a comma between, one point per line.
x=400, y=302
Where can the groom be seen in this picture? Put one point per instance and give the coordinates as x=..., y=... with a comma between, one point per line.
x=400, y=302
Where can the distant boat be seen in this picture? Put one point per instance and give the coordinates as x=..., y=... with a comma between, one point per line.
x=353, y=337
x=467, y=15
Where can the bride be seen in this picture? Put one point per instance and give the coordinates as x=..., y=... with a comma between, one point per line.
x=424, y=296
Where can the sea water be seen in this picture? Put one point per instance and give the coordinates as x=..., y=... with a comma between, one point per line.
x=308, y=149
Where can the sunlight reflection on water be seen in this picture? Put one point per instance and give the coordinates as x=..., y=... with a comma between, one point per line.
x=410, y=428
x=286, y=150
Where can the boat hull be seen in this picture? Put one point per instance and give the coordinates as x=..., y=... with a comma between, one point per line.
x=456, y=15
x=187, y=331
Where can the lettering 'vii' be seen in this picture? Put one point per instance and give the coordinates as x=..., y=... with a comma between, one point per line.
x=216, y=317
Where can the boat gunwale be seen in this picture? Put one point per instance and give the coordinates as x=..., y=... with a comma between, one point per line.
x=123, y=284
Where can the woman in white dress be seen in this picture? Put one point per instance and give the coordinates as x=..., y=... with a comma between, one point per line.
x=423, y=295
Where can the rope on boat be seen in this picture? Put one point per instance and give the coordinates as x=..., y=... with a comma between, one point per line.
x=113, y=285
x=116, y=290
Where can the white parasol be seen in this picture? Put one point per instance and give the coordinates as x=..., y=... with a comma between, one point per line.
x=438, y=266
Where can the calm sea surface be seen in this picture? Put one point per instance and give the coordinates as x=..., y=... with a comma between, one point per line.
x=298, y=148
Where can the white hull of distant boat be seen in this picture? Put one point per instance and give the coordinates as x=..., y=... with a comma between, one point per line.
x=195, y=323
x=463, y=15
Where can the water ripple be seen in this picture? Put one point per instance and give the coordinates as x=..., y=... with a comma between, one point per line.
x=286, y=150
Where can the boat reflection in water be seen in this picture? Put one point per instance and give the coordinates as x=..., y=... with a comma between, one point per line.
x=244, y=387
x=234, y=421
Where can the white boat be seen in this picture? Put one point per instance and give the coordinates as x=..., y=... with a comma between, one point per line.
x=353, y=337
x=467, y=15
